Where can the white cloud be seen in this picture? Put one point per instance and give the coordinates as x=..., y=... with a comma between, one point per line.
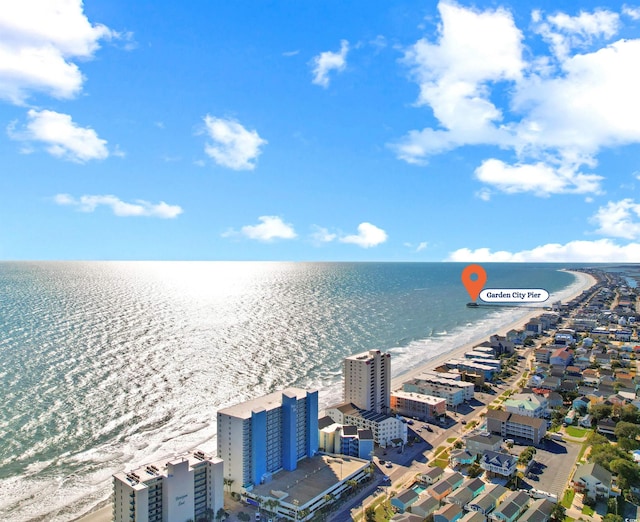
x=368, y=236
x=39, y=39
x=484, y=194
x=89, y=203
x=618, y=219
x=565, y=33
x=631, y=12
x=559, y=110
x=61, y=136
x=322, y=235
x=539, y=178
x=600, y=251
x=291, y=53
x=233, y=146
x=327, y=61
x=474, y=48
x=270, y=228
x=422, y=246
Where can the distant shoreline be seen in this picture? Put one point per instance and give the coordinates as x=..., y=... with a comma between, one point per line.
x=583, y=282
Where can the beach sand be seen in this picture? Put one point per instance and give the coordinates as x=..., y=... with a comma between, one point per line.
x=584, y=281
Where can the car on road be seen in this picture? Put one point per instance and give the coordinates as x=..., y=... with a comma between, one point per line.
x=464, y=421
x=382, y=461
x=388, y=465
x=429, y=429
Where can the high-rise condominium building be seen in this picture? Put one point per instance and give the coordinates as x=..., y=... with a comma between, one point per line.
x=187, y=487
x=259, y=437
x=367, y=380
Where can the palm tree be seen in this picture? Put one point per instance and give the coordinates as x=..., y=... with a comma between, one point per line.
x=227, y=482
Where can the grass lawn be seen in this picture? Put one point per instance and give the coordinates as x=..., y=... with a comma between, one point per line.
x=584, y=448
x=441, y=463
x=576, y=432
x=439, y=450
x=586, y=510
x=452, y=439
x=567, y=499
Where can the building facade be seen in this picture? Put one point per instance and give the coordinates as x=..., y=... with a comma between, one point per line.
x=367, y=380
x=183, y=488
x=386, y=430
x=508, y=424
x=259, y=437
x=417, y=405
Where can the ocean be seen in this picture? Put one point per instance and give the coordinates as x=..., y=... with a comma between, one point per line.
x=108, y=365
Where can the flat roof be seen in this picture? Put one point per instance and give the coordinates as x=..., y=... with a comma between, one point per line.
x=312, y=476
x=418, y=397
x=271, y=401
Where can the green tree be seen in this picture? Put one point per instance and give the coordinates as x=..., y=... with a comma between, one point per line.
x=630, y=413
x=609, y=517
x=370, y=514
x=628, y=473
x=600, y=411
x=558, y=512
x=220, y=514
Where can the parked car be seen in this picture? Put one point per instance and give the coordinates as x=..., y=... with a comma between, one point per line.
x=388, y=465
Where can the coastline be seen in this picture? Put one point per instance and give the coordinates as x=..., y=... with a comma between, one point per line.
x=102, y=511
x=583, y=282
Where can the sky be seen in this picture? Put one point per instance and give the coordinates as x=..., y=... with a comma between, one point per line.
x=320, y=131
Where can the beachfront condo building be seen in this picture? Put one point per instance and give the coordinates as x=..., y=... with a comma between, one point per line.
x=418, y=405
x=262, y=436
x=367, y=380
x=454, y=391
x=507, y=424
x=188, y=487
x=387, y=429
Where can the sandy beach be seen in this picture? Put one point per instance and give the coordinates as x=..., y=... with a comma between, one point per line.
x=583, y=282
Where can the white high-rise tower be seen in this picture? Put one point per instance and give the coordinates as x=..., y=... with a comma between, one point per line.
x=367, y=380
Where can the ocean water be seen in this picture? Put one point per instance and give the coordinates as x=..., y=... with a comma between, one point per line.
x=107, y=365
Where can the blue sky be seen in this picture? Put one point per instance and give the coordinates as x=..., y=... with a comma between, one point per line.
x=399, y=131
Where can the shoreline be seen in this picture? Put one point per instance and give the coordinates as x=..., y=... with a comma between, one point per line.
x=583, y=282
x=102, y=511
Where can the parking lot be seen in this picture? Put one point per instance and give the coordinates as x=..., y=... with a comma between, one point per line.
x=553, y=466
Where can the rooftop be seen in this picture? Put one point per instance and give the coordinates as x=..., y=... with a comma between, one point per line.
x=271, y=401
x=312, y=476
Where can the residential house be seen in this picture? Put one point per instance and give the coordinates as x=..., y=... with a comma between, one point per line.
x=592, y=480
x=445, y=486
x=581, y=403
x=473, y=516
x=405, y=499
x=431, y=476
x=501, y=464
x=533, y=327
x=486, y=502
x=486, y=441
x=527, y=404
x=461, y=457
x=542, y=355
x=448, y=513
x=512, y=507
x=591, y=377
x=539, y=511
x=425, y=506
x=469, y=490
x=561, y=357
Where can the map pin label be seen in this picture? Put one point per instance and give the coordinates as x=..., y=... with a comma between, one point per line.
x=475, y=285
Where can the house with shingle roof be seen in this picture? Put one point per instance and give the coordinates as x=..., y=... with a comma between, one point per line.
x=512, y=507
x=486, y=502
x=501, y=464
x=425, y=506
x=593, y=480
x=539, y=511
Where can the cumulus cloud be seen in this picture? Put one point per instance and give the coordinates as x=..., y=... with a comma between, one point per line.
x=322, y=235
x=560, y=109
x=269, y=228
x=368, y=236
x=539, y=178
x=600, y=251
x=39, y=41
x=474, y=48
x=618, y=219
x=328, y=61
x=233, y=146
x=631, y=12
x=139, y=207
x=565, y=33
x=61, y=137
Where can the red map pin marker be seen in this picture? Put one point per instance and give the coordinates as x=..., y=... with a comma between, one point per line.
x=474, y=286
